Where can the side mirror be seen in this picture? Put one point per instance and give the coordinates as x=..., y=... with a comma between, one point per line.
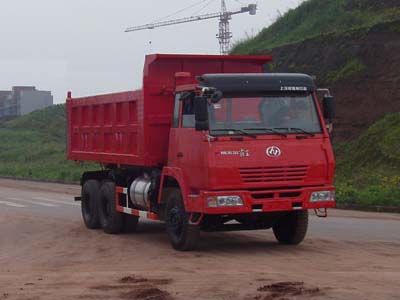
x=201, y=113
x=217, y=96
x=186, y=96
x=329, y=107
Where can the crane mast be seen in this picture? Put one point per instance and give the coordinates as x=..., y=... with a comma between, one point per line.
x=224, y=35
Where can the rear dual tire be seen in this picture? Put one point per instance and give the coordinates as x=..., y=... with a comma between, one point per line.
x=89, y=204
x=99, y=208
x=111, y=220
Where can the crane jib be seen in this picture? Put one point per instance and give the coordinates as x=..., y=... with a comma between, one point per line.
x=224, y=34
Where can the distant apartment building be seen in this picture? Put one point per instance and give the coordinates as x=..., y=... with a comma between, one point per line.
x=22, y=100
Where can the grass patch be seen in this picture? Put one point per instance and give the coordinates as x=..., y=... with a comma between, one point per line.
x=33, y=146
x=319, y=17
x=368, y=169
x=351, y=68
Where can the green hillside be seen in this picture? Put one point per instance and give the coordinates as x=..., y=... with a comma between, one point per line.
x=368, y=168
x=33, y=146
x=316, y=17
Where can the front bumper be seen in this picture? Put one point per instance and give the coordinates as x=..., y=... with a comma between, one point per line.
x=261, y=201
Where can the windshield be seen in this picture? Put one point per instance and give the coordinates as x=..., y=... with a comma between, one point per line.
x=277, y=114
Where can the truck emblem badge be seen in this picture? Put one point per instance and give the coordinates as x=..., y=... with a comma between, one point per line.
x=241, y=153
x=273, y=151
x=244, y=153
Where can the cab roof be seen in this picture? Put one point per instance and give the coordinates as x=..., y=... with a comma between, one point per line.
x=264, y=82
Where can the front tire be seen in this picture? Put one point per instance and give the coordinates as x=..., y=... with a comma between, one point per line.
x=111, y=220
x=291, y=228
x=89, y=205
x=182, y=235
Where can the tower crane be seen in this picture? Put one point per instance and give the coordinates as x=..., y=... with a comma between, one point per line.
x=224, y=35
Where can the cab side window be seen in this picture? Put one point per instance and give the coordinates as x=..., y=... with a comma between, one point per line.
x=188, y=119
x=175, y=117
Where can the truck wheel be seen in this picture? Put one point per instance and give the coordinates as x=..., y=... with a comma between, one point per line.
x=89, y=204
x=130, y=223
x=182, y=235
x=291, y=228
x=111, y=220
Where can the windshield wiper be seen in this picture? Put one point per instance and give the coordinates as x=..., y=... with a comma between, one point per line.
x=298, y=130
x=272, y=130
x=303, y=131
x=243, y=132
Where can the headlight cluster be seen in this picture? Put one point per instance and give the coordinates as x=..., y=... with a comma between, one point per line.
x=223, y=201
x=322, y=196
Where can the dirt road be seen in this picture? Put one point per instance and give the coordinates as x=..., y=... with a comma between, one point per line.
x=47, y=253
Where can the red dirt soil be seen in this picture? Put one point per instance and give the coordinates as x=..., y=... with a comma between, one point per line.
x=48, y=257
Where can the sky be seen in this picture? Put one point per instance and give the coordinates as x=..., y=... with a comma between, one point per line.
x=81, y=46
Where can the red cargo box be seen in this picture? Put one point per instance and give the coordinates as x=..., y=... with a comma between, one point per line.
x=132, y=128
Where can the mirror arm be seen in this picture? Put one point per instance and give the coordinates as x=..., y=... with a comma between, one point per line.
x=326, y=91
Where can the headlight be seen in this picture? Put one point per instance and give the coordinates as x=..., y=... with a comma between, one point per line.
x=223, y=201
x=322, y=196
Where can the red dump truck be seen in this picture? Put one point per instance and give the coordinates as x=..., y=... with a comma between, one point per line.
x=210, y=143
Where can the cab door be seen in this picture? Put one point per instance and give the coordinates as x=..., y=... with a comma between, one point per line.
x=187, y=146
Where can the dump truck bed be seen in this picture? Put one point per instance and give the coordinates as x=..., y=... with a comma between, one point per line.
x=132, y=128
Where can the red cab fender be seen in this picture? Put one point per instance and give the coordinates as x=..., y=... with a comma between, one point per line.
x=177, y=175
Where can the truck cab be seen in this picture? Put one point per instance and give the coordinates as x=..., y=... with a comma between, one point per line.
x=249, y=147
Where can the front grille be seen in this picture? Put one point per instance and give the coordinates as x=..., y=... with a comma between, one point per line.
x=273, y=174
